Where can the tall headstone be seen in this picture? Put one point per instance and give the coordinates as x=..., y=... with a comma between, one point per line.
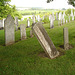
x=44, y=40
x=16, y=23
x=28, y=23
x=66, y=39
x=71, y=12
x=9, y=30
x=53, y=15
x=38, y=18
x=23, y=31
x=72, y=18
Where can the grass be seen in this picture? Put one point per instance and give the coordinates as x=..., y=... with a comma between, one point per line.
x=22, y=58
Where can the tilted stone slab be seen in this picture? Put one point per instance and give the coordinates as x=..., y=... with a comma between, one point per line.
x=44, y=40
x=23, y=31
x=9, y=30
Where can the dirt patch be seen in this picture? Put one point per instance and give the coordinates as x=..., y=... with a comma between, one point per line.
x=70, y=46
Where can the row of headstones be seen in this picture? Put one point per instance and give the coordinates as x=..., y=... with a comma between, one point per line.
x=61, y=19
x=10, y=31
x=40, y=33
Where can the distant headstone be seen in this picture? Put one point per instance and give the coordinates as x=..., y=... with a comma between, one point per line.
x=9, y=30
x=38, y=18
x=2, y=23
x=33, y=18
x=53, y=15
x=43, y=17
x=56, y=16
x=72, y=18
x=63, y=15
x=45, y=41
x=16, y=23
x=28, y=23
x=51, y=21
x=23, y=31
x=66, y=21
x=66, y=39
x=71, y=12
x=69, y=18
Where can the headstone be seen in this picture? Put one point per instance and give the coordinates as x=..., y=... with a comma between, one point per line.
x=66, y=39
x=43, y=17
x=50, y=16
x=60, y=19
x=71, y=12
x=63, y=15
x=74, y=13
x=2, y=23
x=44, y=40
x=28, y=23
x=53, y=15
x=9, y=30
x=56, y=16
x=23, y=31
x=51, y=22
x=66, y=21
x=16, y=23
x=72, y=18
x=33, y=18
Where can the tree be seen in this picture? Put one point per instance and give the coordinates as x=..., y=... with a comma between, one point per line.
x=71, y=2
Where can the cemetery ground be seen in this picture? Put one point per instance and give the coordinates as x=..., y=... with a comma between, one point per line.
x=27, y=57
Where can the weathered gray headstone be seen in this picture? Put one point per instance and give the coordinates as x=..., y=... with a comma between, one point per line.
x=66, y=39
x=44, y=40
x=23, y=31
x=16, y=23
x=33, y=18
x=9, y=30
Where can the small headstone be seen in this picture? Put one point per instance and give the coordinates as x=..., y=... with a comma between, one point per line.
x=53, y=15
x=28, y=23
x=38, y=18
x=66, y=21
x=43, y=17
x=23, y=31
x=56, y=16
x=72, y=18
x=16, y=23
x=69, y=18
x=33, y=18
x=66, y=39
x=51, y=22
x=71, y=12
x=2, y=23
x=9, y=30
x=44, y=40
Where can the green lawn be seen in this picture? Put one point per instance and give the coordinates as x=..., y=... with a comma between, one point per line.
x=27, y=57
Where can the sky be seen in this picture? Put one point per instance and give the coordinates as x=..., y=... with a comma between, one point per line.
x=56, y=4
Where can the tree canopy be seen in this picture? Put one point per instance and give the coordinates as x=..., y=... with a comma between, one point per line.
x=71, y=2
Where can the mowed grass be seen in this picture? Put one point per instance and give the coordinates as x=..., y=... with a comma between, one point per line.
x=23, y=57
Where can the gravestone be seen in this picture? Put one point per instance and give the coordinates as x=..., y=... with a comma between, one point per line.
x=38, y=18
x=56, y=16
x=33, y=18
x=43, y=17
x=23, y=31
x=66, y=39
x=53, y=15
x=63, y=15
x=2, y=23
x=71, y=12
x=51, y=22
x=60, y=19
x=16, y=23
x=9, y=30
x=28, y=23
x=44, y=40
x=72, y=18
x=66, y=21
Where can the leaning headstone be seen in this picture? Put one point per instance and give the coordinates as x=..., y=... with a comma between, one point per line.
x=23, y=31
x=16, y=23
x=9, y=30
x=28, y=23
x=66, y=39
x=44, y=40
